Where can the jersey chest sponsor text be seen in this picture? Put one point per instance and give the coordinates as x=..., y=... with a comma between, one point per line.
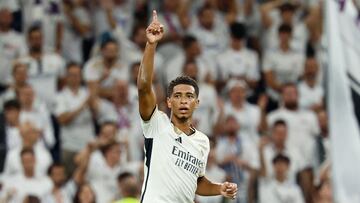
x=187, y=161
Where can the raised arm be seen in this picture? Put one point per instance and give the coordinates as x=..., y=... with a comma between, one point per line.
x=147, y=99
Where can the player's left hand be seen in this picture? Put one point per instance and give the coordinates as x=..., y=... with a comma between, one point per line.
x=228, y=190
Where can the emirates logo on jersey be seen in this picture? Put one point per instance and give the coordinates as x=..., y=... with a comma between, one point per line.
x=187, y=161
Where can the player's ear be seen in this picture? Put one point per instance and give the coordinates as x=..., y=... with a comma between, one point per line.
x=168, y=102
x=197, y=103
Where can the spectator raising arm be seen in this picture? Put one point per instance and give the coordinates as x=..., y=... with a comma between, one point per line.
x=265, y=9
x=263, y=142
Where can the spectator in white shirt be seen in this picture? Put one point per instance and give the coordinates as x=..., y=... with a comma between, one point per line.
x=172, y=14
x=32, y=109
x=132, y=48
x=30, y=139
x=275, y=13
x=20, y=77
x=311, y=93
x=12, y=45
x=282, y=65
x=64, y=189
x=128, y=120
x=103, y=168
x=208, y=106
x=210, y=30
x=234, y=156
x=276, y=144
x=74, y=111
x=27, y=183
x=192, y=52
x=76, y=27
x=47, y=15
x=279, y=188
x=216, y=174
x=303, y=127
x=61, y=191
x=10, y=134
x=238, y=61
x=100, y=72
x=247, y=115
x=121, y=11
x=45, y=69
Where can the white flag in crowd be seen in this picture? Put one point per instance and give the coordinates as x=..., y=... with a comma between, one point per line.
x=343, y=31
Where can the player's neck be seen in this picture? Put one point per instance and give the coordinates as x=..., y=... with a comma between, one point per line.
x=183, y=125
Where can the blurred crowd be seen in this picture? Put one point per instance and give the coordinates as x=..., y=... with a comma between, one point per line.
x=70, y=129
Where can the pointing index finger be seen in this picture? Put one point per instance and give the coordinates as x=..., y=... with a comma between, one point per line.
x=155, y=15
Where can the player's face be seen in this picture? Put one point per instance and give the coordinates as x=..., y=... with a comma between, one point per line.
x=183, y=101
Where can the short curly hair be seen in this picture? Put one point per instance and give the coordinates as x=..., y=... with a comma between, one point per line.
x=182, y=80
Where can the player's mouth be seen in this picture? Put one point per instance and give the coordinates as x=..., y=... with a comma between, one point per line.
x=183, y=109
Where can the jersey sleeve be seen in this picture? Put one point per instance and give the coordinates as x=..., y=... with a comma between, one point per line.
x=157, y=122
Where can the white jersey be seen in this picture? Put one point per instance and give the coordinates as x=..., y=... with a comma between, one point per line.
x=174, y=161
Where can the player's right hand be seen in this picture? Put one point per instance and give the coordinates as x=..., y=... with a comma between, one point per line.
x=155, y=31
x=229, y=190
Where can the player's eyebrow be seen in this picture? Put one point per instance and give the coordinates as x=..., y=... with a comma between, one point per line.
x=187, y=93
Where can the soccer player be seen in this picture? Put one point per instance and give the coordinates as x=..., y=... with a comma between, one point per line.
x=175, y=152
